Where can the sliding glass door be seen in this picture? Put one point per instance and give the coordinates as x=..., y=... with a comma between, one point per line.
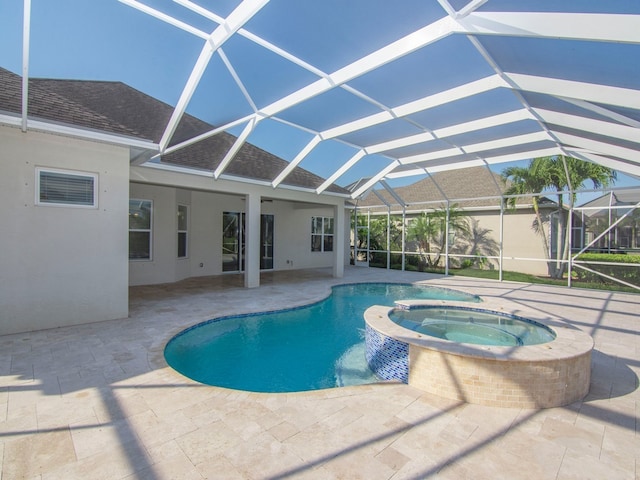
x=233, y=242
x=266, y=242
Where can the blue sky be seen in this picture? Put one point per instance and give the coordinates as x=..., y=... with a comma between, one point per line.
x=107, y=40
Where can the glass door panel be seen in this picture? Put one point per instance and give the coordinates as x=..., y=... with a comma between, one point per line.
x=231, y=242
x=266, y=242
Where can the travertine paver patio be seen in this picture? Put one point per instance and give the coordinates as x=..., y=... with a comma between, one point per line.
x=98, y=402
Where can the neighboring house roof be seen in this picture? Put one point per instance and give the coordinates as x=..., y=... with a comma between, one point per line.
x=615, y=199
x=468, y=187
x=116, y=108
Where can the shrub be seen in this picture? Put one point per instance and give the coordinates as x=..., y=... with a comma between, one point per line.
x=629, y=274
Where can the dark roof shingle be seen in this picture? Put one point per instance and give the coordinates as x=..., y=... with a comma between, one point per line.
x=117, y=108
x=468, y=187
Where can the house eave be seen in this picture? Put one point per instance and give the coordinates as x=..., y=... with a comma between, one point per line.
x=233, y=178
x=135, y=144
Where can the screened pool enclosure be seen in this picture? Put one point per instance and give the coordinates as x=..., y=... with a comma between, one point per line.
x=415, y=109
x=592, y=244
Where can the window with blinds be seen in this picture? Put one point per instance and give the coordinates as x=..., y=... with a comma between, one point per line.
x=58, y=187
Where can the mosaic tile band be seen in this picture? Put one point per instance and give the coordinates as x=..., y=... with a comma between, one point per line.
x=386, y=356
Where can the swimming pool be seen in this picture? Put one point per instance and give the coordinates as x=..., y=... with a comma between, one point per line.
x=308, y=348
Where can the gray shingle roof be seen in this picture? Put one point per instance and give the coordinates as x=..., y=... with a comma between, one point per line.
x=45, y=104
x=470, y=184
x=117, y=108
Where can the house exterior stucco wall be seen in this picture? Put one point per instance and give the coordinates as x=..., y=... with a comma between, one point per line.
x=292, y=225
x=61, y=265
x=161, y=268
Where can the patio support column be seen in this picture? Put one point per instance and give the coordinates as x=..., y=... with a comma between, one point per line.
x=446, y=239
x=354, y=232
x=388, y=238
x=339, y=240
x=252, y=241
x=501, y=258
x=570, y=240
x=404, y=237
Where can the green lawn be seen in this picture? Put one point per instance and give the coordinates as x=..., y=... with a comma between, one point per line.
x=526, y=278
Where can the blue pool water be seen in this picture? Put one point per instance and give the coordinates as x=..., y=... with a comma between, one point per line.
x=308, y=348
x=471, y=325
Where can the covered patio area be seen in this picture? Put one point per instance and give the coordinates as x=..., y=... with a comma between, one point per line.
x=98, y=400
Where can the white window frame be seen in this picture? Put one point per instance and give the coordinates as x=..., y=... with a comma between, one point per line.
x=322, y=234
x=150, y=230
x=185, y=231
x=71, y=173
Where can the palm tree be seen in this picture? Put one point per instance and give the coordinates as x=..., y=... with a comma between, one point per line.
x=429, y=230
x=376, y=234
x=522, y=181
x=551, y=173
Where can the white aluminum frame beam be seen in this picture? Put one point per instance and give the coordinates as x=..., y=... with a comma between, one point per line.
x=599, y=147
x=469, y=8
x=382, y=199
x=435, y=166
x=210, y=133
x=373, y=180
x=597, y=127
x=615, y=164
x=601, y=27
x=26, y=34
x=614, y=95
x=461, y=128
x=591, y=92
x=605, y=112
x=235, y=20
x=437, y=99
x=476, y=148
x=341, y=171
x=463, y=12
x=448, y=8
x=466, y=21
x=296, y=161
x=537, y=24
x=152, y=12
x=238, y=80
x=395, y=50
x=439, y=134
x=234, y=148
x=393, y=193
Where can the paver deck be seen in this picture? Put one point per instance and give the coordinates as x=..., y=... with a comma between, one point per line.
x=97, y=401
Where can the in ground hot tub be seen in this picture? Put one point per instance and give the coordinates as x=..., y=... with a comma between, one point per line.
x=472, y=325
x=497, y=355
